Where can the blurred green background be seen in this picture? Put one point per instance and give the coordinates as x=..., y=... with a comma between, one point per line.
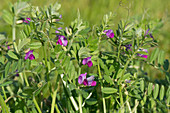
x=93, y=11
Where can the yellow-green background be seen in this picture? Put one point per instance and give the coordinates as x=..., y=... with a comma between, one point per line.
x=93, y=11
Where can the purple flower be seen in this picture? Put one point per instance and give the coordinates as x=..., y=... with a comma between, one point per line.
x=27, y=20
x=141, y=55
x=60, y=16
x=109, y=33
x=127, y=81
x=30, y=55
x=8, y=48
x=128, y=47
x=7, y=45
x=147, y=33
x=86, y=81
x=17, y=74
x=62, y=40
x=87, y=61
x=58, y=29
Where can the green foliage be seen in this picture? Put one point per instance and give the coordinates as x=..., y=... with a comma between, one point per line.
x=50, y=77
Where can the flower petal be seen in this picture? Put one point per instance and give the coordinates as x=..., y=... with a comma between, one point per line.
x=59, y=42
x=81, y=78
x=27, y=55
x=144, y=56
x=89, y=63
x=31, y=57
x=85, y=82
x=111, y=35
x=93, y=83
x=84, y=62
x=90, y=78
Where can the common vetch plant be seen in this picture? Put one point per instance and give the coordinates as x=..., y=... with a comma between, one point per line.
x=45, y=67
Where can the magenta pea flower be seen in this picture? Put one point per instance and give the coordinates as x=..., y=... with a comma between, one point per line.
x=30, y=55
x=141, y=55
x=87, y=61
x=109, y=33
x=147, y=33
x=8, y=48
x=27, y=20
x=86, y=81
x=62, y=40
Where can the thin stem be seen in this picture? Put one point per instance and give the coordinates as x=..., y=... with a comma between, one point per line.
x=47, y=73
x=14, y=34
x=80, y=103
x=25, y=77
x=4, y=92
x=121, y=98
x=101, y=82
x=56, y=107
x=53, y=102
x=36, y=105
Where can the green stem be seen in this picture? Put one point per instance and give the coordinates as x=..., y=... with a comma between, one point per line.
x=80, y=103
x=47, y=73
x=14, y=34
x=36, y=105
x=25, y=77
x=4, y=92
x=101, y=82
x=121, y=98
x=53, y=102
x=56, y=107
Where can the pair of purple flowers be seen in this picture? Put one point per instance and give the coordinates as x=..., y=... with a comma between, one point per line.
x=62, y=40
x=82, y=78
x=86, y=81
x=128, y=47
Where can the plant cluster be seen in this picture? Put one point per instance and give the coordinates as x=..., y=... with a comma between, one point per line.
x=47, y=68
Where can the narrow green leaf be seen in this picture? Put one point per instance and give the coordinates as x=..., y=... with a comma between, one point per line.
x=142, y=52
x=109, y=90
x=23, y=43
x=6, y=83
x=168, y=92
x=7, y=67
x=3, y=105
x=104, y=67
x=161, y=57
x=83, y=52
x=162, y=91
x=168, y=100
x=7, y=16
x=156, y=91
x=153, y=103
x=14, y=66
x=142, y=85
x=150, y=88
x=154, y=55
x=91, y=101
x=35, y=45
x=108, y=79
x=12, y=55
